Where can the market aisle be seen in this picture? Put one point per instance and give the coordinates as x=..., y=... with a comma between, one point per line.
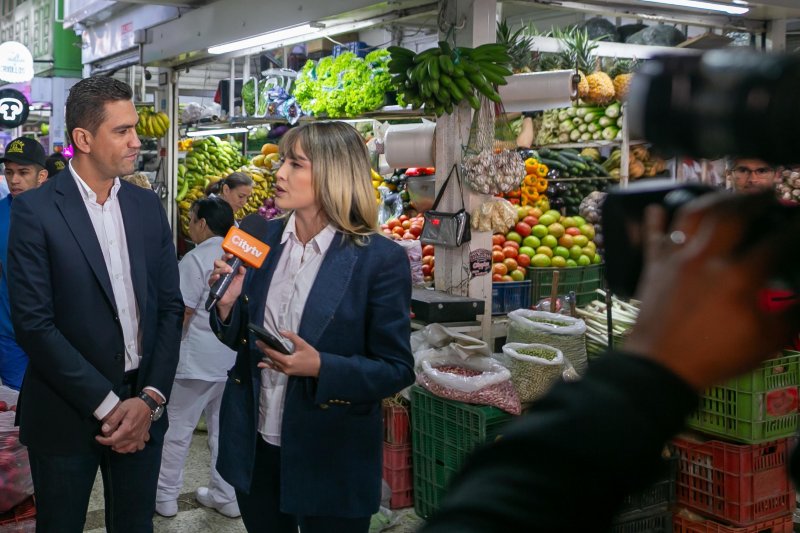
x=192, y=518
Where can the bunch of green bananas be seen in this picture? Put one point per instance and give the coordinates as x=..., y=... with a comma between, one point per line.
x=152, y=124
x=209, y=158
x=440, y=78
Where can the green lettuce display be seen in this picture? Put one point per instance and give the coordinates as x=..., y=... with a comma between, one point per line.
x=344, y=86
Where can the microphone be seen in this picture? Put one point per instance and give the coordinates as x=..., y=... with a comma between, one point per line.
x=246, y=249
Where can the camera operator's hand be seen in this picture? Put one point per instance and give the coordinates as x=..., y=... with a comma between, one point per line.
x=700, y=314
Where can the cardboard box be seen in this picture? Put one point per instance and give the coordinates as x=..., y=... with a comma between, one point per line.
x=326, y=45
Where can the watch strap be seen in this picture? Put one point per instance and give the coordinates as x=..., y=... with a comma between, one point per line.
x=151, y=403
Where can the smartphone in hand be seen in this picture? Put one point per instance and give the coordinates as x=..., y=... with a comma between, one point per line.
x=271, y=340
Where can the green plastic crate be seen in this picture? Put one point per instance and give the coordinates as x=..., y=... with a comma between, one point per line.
x=757, y=407
x=443, y=432
x=583, y=280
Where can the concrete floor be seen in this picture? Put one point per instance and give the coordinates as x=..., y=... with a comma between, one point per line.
x=194, y=518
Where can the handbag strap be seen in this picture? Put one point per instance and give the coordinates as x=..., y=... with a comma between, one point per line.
x=444, y=186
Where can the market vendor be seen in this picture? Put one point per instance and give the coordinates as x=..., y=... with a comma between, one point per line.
x=300, y=435
x=235, y=189
x=568, y=463
x=751, y=175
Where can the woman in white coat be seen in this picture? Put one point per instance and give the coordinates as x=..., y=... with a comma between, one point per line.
x=202, y=369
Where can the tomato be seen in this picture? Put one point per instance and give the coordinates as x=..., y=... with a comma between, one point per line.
x=499, y=268
x=393, y=223
x=511, y=264
x=507, y=278
x=497, y=277
x=427, y=250
x=408, y=236
x=510, y=251
x=402, y=218
x=513, y=244
x=523, y=260
x=426, y=270
x=406, y=224
x=530, y=220
x=427, y=259
x=497, y=248
x=397, y=230
x=498, y=238
x=416, y=230
x=498, y=256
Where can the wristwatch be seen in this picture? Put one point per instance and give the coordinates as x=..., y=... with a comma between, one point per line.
x=156, y=409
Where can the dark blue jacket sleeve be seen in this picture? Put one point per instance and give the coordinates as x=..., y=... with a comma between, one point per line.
x=567, y=465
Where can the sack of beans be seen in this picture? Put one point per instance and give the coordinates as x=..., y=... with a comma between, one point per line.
x=479, y=380
x=534, y=368
x=559, y=331
x=15, y=471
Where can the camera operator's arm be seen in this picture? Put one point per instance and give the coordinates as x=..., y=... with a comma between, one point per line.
x=567, y=465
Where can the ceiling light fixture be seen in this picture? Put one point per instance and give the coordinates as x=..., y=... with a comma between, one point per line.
x=698, y=4
x=266, y=40
x=217, y=131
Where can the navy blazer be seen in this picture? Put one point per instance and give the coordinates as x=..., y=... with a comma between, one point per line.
x=65, y=316
x=357, y=317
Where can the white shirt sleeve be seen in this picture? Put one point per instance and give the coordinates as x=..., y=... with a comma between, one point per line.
x=192, y=276
x=108, y=404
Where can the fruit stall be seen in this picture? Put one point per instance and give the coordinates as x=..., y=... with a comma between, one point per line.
x=526, y=294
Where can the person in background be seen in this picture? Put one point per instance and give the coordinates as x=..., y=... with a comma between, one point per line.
x=301, y=435
x=96, y=304
x=235, y=189
x=54, y=164
x=569, y=462
x=751, y=175
x=24, y=169
x=202, y=369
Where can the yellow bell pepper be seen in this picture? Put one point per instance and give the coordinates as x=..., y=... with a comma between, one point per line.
x=530, y=165
x=541, y=170
x=541, y=184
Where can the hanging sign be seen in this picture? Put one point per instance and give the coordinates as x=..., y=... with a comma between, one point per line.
x=480, y=262
x=16, y=62
x=13, y=108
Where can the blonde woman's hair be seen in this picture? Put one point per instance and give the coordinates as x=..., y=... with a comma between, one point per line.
x=340, y=171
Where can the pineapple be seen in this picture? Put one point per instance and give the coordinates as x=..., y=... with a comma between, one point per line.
x=622, y=73
x=578, y=53
x=519, y=46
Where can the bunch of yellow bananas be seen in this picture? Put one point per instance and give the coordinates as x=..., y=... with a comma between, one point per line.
x=152, y=124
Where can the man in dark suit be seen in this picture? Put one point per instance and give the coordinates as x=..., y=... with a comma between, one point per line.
x=96, y=305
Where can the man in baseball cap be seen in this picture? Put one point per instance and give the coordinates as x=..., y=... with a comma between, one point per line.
x=24, y=161
x=55, y=164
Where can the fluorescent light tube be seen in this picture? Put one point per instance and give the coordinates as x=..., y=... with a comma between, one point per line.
x=698, y=4
x=269, y=38
x=218, y=131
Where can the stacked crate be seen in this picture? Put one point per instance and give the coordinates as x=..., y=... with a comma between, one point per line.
x=650, y=510
x=397, y=470
x=739, y=480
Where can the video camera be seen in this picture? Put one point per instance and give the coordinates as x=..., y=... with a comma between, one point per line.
x=722, y=103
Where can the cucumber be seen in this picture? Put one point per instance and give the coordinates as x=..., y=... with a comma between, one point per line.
x=571, y=154
x=600, y=170
x=552, y=163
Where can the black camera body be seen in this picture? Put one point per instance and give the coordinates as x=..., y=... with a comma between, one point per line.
x=724, y=103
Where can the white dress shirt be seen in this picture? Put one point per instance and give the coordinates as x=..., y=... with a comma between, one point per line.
x=291, y=283
x=203, y=356
x=110, y=230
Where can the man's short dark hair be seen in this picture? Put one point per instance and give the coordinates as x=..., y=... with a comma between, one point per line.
x=87, y=100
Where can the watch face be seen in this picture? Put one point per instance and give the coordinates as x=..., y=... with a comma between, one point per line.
x=157, y=413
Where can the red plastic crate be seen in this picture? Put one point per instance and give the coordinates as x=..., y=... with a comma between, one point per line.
x=396, y=424
x=737, y=484
x=20, y=513
x=681, y=524
x=397, y=473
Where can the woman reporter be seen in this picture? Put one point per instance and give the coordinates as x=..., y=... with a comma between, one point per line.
x=301, y=435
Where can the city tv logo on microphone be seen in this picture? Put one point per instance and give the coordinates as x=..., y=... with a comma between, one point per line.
x=250, y=250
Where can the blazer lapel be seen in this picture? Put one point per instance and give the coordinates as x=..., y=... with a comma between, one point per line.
x=131, y=214
x=328, y=289
x=72, y=208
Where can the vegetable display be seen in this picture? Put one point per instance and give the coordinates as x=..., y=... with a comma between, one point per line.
x=581, y=123
x=345, y=85
x=152, y=124
x=789, y=186
x=442, y=77
x=623, y=317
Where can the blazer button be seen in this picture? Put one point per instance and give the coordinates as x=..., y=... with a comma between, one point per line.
x=116, y=318
x=323, y=406
x=244, y=342
x=118, y=357
x=245, y=298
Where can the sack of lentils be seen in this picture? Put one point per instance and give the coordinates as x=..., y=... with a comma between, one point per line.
x=535, y=368
x=559, y=331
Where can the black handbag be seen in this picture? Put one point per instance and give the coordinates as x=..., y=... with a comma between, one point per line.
x=450, y=230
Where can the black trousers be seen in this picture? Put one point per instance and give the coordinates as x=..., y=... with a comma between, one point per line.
x=261, y=508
